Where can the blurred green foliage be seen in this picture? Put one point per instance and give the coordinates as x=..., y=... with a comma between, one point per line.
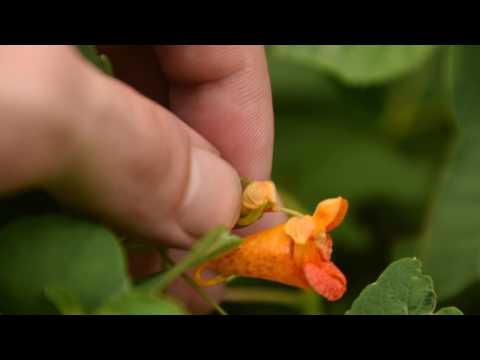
x=74, y=256
x=451, y=247
x=360, y=64
x=376, y=124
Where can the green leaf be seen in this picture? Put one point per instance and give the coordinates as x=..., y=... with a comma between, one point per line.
x=359, y=64
x=402, y=289
x=38, y=253
x=451, y=310
x=64, y=301
x=101, y=61
x=214, y=243
x=135, y=303
x=450, y=249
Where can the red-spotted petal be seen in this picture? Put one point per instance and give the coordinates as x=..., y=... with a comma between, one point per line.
x=325, y=246
x=326, y=279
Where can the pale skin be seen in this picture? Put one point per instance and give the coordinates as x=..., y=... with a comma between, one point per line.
x=156, y=153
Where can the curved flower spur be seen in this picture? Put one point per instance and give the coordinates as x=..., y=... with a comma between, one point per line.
x=297, y=253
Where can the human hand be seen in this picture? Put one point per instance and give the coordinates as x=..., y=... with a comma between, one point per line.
x=166, y=173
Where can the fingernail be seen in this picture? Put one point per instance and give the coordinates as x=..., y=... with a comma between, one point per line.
x=213, y=194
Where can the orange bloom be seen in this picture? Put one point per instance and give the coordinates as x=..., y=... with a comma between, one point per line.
x=297, y=253
x=258, y=197
x=258, y=194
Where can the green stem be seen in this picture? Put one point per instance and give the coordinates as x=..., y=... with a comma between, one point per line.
x=311, y=303
x=205, y=296
x=263, y=295
x=291, y=212
x=159, y=282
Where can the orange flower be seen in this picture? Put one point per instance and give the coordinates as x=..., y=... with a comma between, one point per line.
x=297, y=253
x=258, y=194
x=258, y=197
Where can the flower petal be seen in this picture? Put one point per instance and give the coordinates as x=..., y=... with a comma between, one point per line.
x=266, y=255
x=330, y=213
x=300, y=229
x=258, y=194
x=326, y=279
x=325, y=246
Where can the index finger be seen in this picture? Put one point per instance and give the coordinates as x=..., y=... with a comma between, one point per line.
x=223, y=92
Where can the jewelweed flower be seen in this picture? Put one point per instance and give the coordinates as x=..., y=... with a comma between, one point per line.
x=297, y=253
x=258, y=197
x=259, y=194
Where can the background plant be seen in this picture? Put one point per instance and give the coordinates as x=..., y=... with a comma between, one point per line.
x=391, y=128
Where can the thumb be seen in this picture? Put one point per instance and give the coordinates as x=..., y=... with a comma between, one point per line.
x=136, y=165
